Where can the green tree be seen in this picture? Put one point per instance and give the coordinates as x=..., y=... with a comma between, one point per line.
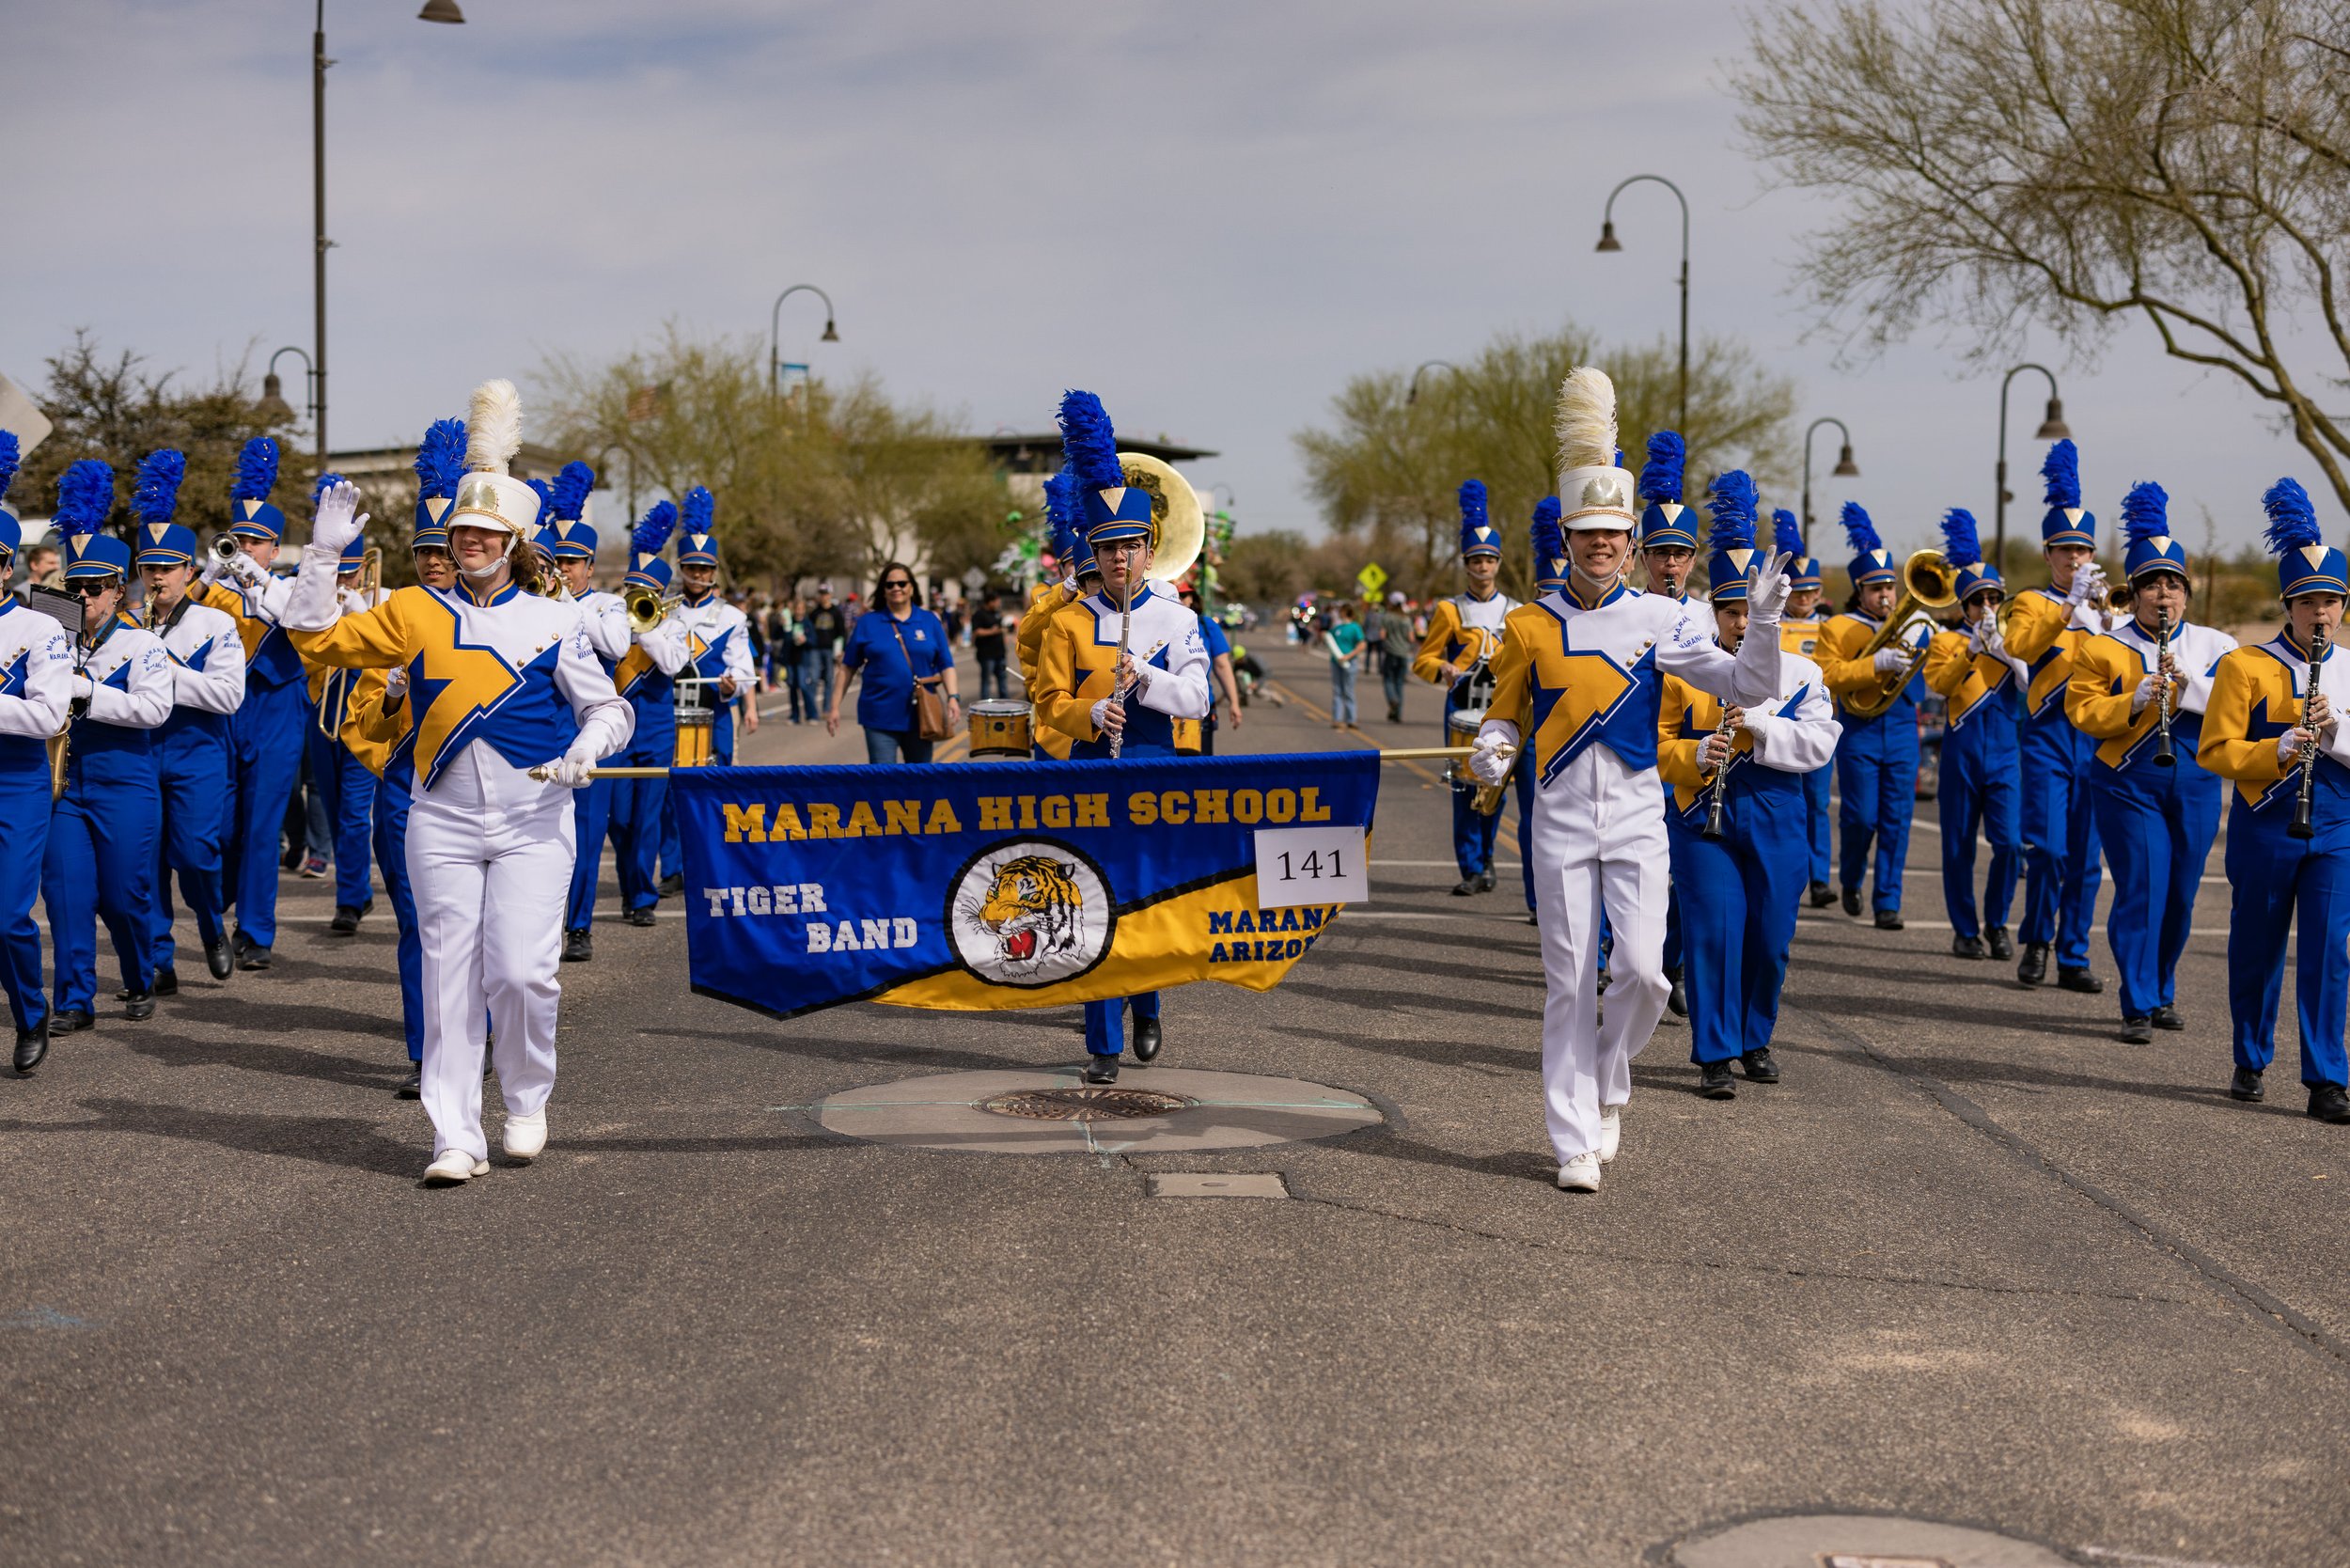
x=1389, y=474
x=2075, y=164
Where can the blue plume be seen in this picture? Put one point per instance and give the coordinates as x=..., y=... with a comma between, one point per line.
x=257, y=470
x=2145, y=511
x=1089, y=442
x=1473, y=504
x=1731, y=504
x=1546, y=511
x=654, y=531
x=155, y=494
x=2292, y=521
x=319, y=489
x=699, y=508
x=568, y=494
x=2061, y=468
x=1060, y=500
x=86, y=497
x=1859, y=532
x=1660, y=475
x=1787, y=533
x=545, y=493
x=8, y=462
x=441, y=459
x=1548, y=538
x=1960, y=545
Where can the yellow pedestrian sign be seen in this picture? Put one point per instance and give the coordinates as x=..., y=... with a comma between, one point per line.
x=1373, y=577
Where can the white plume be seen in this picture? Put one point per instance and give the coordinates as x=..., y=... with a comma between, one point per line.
x=494, y=427
x=1586, y=420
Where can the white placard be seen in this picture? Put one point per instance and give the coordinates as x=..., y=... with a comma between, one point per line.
x=19, y=412
x=1312, y=865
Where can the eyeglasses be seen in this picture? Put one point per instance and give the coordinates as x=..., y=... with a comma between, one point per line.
x=90, y=588
x=897, y=583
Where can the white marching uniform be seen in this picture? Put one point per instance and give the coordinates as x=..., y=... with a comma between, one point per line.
x=1584, y=675
x=496, y=688
x=207, y=658
x=606, y=617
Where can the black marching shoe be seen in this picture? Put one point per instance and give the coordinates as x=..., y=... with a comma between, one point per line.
x=2081, y=981
x=1484, y=882
x=1967, y=947
x=2328, y=1102
x=1146, y=1040
x=252, y=955
x=1888, y=919
x=1463, y=888
x=2002, y=947
x=2166, y=1017
x=1821, y=895
x=1677, y=997
x=1715, y=1082
x=410, y=1087
x=2245, y=1086
x=217, y=957
x=1759, y=1065
x=167, y=982
x=2138, y=1031
x=139, y=1006
x=2033, y=966
x=67, y=1020
x=1851, y=901
x=578, y=947
x=346, y=920
x=638, y=917
x=31, y=1045
x=673, y=883
x=1101, y=1069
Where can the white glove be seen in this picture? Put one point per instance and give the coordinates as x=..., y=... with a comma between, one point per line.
x=2145, y=694
x=213, y=566
x=1893, y=661
x=84, y=689
x=1492, y=760
x=2089, y=583
x=394, y=685
x=577, y=763
x=247, y=569
x=1713, y=752
x=1102, y=711
x=1988, y=638
x=2289, y=746
x=338, y=520
x=1766, y=594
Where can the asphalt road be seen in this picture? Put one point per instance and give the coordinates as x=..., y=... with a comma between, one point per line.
x=1973, y=1261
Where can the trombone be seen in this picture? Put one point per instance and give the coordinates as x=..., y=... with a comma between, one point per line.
x=1928, y=583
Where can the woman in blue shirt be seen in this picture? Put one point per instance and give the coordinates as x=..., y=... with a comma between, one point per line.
x=892, y=647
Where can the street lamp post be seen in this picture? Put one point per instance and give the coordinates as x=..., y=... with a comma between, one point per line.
x=274, y=406
x=1845, y=468
x=2052, y=428
x=1411, y=393
x=1607, y=241
x=775, y=330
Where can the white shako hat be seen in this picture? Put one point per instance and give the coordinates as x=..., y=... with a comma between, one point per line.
x=488, y=496
x=1595, y=489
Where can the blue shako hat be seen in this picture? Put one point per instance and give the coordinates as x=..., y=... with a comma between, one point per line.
x=154, y=501
x=1111, y=509
x=1871, y=563
x=1731, y=538
x=2065, y=522
x=86, y=498
x=1802, y=570
x=1962, y=549
x=697, y=546
x=1478, y=537
x=645, y=568
x=250, y=514
x=440, y=463
x=2305, y=563
x=11, y=535
x=566, y=537
x=2146, y=525
x=1068, y=515
x=1551, y=565
x=1664, y=521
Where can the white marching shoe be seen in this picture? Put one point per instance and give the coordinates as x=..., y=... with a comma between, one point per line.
x=451, y=1167
x=1610, y=1132
x=1581, y=1174
x=525, y=1136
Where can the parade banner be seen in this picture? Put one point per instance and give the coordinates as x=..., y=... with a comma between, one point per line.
x=974, y=886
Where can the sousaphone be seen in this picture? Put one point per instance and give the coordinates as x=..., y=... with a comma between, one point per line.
x=1181, y=522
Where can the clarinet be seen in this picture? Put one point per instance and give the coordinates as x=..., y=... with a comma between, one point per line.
x=2163, y=754
x=1715, y=787
x=2303, y=826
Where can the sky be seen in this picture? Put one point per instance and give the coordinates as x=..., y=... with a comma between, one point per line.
x=1209, y=212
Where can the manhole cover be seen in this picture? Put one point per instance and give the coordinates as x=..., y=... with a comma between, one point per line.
x=1088, y=1102
x=1859, y=1540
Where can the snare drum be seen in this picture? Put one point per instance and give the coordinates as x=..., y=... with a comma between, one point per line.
x=1186, y=736
x=1000, y=726
x=1459, y=729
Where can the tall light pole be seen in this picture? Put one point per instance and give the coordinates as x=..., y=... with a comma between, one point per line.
x=1607, y=241
x=274, y=406
x=1411, y=393
x=775, y=330
x=1845, y=468
x=2052, y=428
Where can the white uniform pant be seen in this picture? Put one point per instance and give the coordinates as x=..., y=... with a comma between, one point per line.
x=490, y=895
x=1598, y=841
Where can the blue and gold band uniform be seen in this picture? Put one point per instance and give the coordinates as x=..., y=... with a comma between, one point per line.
x=36, y=696
x=568, y=537
x=1075, y=561
x=2045, y=628
x=1978, y=787
x=1666, y=527
x=1463, y=632
x=338, y=779
x=646, y=677
x=1876, y=761
x=718, y=648
x=2156, y=822
x=1800, y=634
x=2257, y=696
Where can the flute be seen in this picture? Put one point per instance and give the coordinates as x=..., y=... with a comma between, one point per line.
x=2164, y=757
x=1125, y=630
x=2303, y=826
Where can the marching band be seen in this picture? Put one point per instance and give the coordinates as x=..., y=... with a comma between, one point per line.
x=1671, y=755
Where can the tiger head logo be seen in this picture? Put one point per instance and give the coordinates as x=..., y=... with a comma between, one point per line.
x=1029, y=913
x=1032, y=905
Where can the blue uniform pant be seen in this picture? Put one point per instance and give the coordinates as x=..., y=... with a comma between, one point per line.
x=2277, y=879
x=1978, y=791
x=2160, y=831
x=265, y=740
x=2061, y=845
x=1737, y=923
x=391, y=857
x=192, y=772
x=1674, y=955
x=591, y=818
x=1474, y=835
x=1815, y=793
x=101, y=865
x=1105, y=1022
x=1877, y=773
x=345, y=790
x=24, y=806
x=722, y=753
x=637, y=805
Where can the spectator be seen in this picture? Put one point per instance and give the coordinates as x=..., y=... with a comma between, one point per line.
x=825, y=628
x=40, y=560
x=1392, y=631
x=1222, y=684
x=987, y=644
x=1344, y=640
x=890, y=648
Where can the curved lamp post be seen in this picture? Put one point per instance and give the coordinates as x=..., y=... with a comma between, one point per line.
x=274, y=406
x=774, y=328
x=1607, y=241
x=1411, y=393
x=1845, y=468
x=2052, y=428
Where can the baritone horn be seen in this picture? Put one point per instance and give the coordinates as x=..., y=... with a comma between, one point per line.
x=1928, y=583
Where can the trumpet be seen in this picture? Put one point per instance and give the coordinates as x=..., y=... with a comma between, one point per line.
x=1928, y=583
x=646, y=609
x=224, y=548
